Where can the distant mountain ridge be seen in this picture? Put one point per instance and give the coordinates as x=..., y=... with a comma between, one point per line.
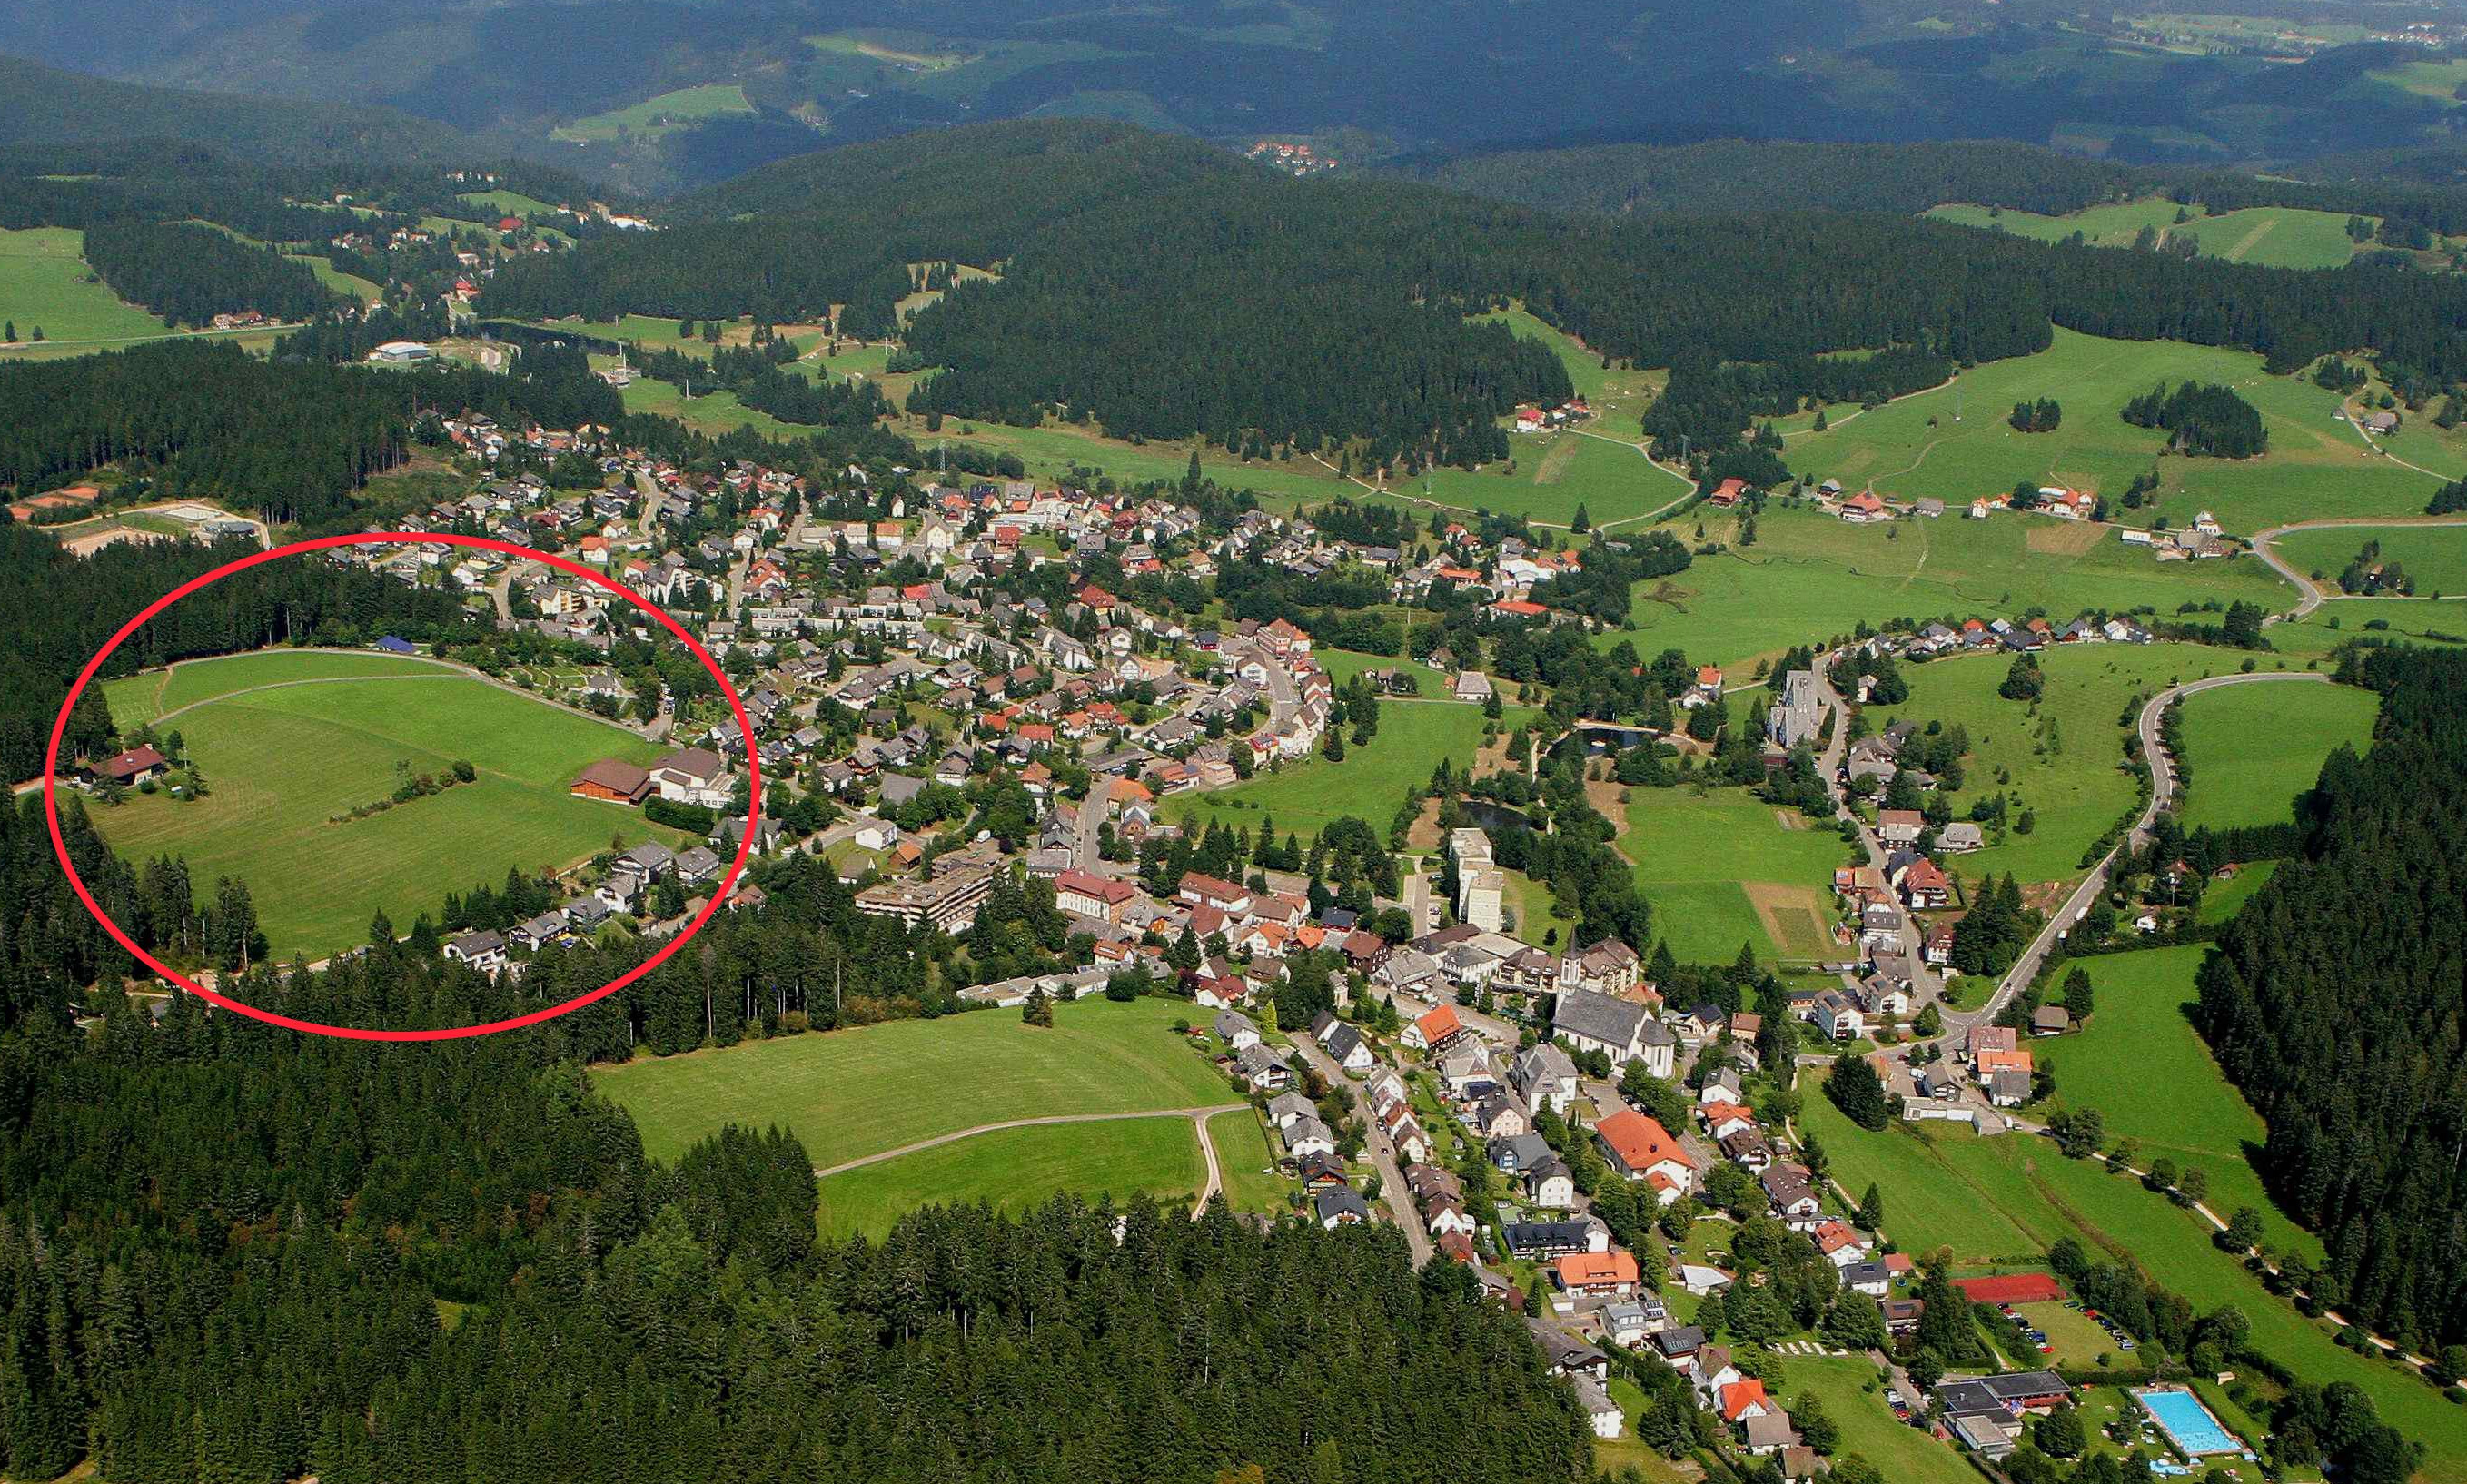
x=49, y=106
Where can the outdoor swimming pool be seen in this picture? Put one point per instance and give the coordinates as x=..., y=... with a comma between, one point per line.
x=2187, y=1423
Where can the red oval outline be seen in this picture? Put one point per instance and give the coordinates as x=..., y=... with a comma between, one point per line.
x=718, y=894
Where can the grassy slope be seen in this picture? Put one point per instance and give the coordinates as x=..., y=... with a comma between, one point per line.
x=280, y=762
x=1368, y=784
x=1904, y=1453
x=2269, y=236
x=2316, y=465
x=2010, y=1198
x=1245, y=1164
x=2255, y=747
x=656, y=116
x=2077, y=789
x=2141, y=1064
x=43, y=284
x=1810, y=575
x=141, y=698
x=1694, y=855
x=2435, y=556
x=1016, y=1169
x=854, y=1093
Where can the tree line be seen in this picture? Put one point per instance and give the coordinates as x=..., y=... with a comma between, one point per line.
x=188, y=273
x=2337, y=999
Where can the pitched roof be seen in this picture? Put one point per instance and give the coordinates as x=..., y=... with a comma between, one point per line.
x=1597, y=1017
x=1640, y=1141
x=1740, y=1395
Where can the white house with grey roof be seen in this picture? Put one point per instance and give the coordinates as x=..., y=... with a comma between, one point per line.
x=1620, y=1030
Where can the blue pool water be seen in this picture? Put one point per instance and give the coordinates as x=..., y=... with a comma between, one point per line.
x=2188, y=1423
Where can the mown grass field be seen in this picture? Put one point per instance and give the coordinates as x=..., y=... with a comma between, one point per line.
x=2063, y=763
x=2253, y=748
x=1252, y=1182
x=2226, y=898
x=141, y=698
x=2272, y=236
x=280, y=762
x=2316, y=464
x=43, y=284
x=2139, y=1062
x=1370, y=784
x=1014, y=1170
x=654, y=117
x=1722, y=868
x=2434, y=556
x=2008, y=1199
x=854, y=1093
x=1810, y=576
x=1869, y=1431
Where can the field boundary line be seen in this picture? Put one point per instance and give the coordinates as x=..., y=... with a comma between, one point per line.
x=1198, y=1117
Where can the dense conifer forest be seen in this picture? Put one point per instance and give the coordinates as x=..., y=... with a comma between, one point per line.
x=1205, y=277
x=58, y=609
x=2338, y=1002
x=188, y=273
x=286, y=436
x=235, y=1253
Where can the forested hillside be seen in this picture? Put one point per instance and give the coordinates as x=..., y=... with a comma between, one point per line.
x=339, y=1204
x=2422, y=185
x=289, y=437
x=2338, y=1002
x=1246, y=305
x=188, y=273
x=49, y=106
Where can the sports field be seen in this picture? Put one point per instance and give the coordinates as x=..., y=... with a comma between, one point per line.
x=44, y=283
x=2316, y=465
x=2434, y=556
x=281, y=760
x=2062, y=763
x=1723, y=868
x=2272, y=236
x=849, y=1094
x=1370, y=784
x=2008, y=1197
x=1810, y=576
x=2139, y=1062
x=654, y=117
x=1016, y=1169
x=2255, y=747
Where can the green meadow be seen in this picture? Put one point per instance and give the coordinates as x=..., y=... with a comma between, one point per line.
x=2271, y=237
x=2434, y=556
x=2061, y=758
x=1310, y=794
x=2253, y=748
x=1722, y=868
x=849, y=1093
x=654, y=117
x=46, y=285
x=2316, y=465
x=280, y=762
x=1015, y=1170
x=2139, y=1062
x=1810, y=576
x=144, y=697
x=2004, y=1199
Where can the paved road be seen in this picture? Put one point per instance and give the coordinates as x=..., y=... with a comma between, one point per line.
x=1084, y=828
x=1284, y=700
x=2313, y=596
x=1197, y=1115
x=1391, y=1176
x=2163, y=792
x=1924, y=982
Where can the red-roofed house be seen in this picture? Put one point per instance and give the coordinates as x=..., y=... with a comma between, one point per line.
x=1434, y=1031
x=1609, y=1274
x=1640, y=1148
x=1091, y=895
x=1742, y=1400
